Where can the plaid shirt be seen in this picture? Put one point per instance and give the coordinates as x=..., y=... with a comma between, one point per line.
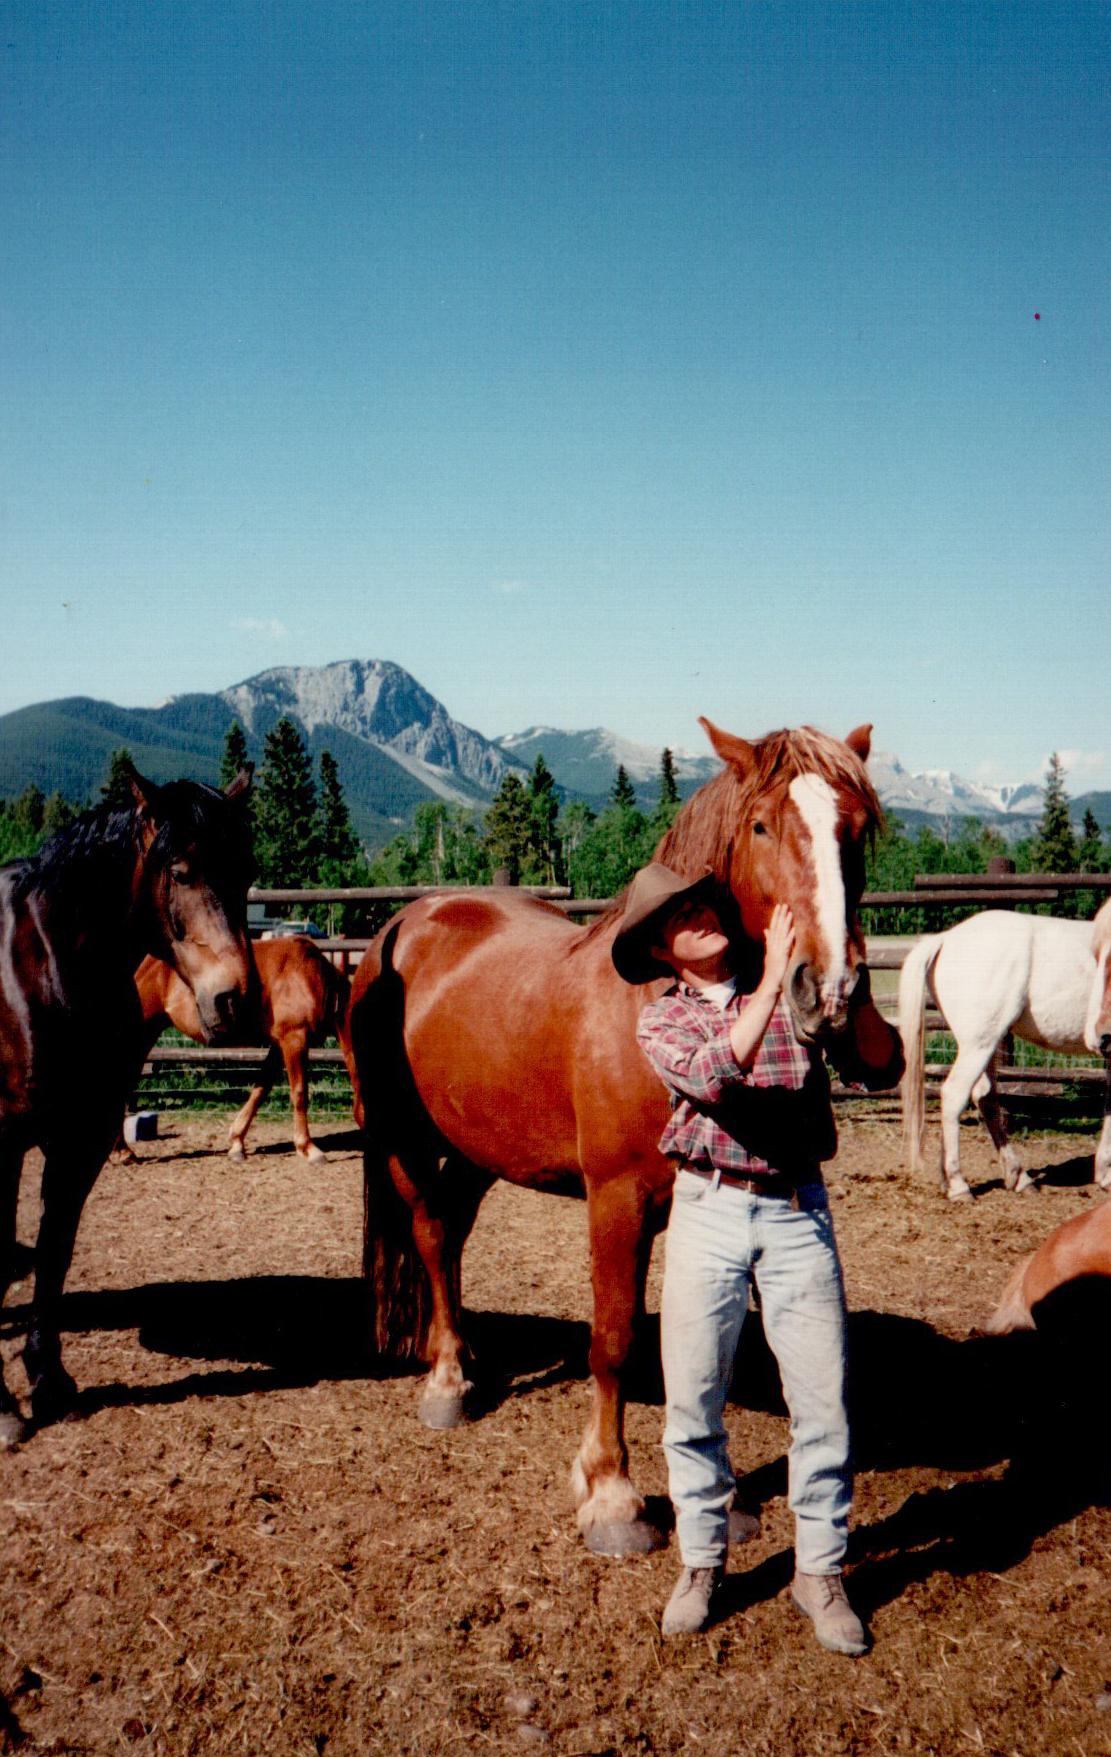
x=774, y=1117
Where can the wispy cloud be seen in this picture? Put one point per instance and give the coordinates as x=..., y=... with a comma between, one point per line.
x=508, y=588
x=268, y=627
x=1083, y=768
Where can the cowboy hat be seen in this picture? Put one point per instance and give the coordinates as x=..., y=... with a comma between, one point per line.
x=651, y=899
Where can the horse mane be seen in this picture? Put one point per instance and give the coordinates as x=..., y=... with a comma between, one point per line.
x=708, y=823
x=707, y=826
x=102, y=836
x=106, y=836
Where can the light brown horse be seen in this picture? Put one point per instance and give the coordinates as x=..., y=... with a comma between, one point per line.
x=168, y=876
x=1079, y=1247
x=494, y=1039
x=301, y=998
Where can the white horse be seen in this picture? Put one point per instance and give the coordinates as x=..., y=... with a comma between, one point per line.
x=1045, y=979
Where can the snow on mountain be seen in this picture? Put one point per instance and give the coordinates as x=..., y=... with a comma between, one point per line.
x=940, y=793
x=587, y=761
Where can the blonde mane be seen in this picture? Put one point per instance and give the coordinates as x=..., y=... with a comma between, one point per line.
x=706, y=828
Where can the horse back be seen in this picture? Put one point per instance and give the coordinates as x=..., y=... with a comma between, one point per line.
x=516, y=1033
x=300, y=989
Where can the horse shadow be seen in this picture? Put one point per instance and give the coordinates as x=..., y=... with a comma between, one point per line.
x=292, y=1331
x=918, y=1399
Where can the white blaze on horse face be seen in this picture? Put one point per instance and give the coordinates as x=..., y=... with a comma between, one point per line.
x=816, y=804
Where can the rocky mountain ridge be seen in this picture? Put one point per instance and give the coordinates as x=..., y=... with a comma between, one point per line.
x=396, y=744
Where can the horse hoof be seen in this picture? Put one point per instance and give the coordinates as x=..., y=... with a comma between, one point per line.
x=958, y=1191
x=236, y=1150
x=1024, y=1182
x=743, y=1527
x=13, y=1429
x=611, y=1537
x=441, y=1411
x=312, y=1154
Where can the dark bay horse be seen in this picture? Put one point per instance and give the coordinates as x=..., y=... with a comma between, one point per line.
x=168, y=877
x=494, y=1039
x=301, y=998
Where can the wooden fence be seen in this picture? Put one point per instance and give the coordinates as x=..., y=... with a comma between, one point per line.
x=998, y=889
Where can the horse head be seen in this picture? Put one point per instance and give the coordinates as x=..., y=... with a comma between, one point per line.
x=192, y=876
x=788, y=821
x=1097, y=1025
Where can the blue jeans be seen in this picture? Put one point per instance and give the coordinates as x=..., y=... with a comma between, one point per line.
x=717, y=1236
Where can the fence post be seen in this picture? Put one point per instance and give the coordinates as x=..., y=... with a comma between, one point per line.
x=502, y=876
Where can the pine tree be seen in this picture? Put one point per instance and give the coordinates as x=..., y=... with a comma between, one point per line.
x=29, y=809
x=235, y=755
x=116, y=790
x=1091, y=856
x=624, y=793
x=669, y=786
x=667, y=810
x=1055, y=844
x=544, y=808
x=509, y=827
x=57, y=814
x=287, y=838
x=338, y=843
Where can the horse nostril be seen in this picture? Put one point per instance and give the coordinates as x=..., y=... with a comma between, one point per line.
x=1105, y=1044
x=804, y=989
x=226, y=1004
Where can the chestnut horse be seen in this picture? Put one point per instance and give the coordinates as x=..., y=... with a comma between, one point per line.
x=301, y=998
x=495, y=1039
x=168, y=877
x=1079, y=1247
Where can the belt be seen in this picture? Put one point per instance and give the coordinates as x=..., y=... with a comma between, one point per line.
x=773, y=1183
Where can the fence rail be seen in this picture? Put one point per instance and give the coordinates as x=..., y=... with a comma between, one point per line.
x=977, y=889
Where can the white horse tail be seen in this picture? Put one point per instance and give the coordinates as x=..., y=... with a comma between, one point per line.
x=913, y=977
x=1013, y=1311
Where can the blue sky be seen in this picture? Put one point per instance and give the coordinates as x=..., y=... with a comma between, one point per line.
x=602, y=364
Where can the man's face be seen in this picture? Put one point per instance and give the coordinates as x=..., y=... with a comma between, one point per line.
x=693, y=937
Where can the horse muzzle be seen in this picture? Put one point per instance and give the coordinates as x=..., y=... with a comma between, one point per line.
x=820, y=1009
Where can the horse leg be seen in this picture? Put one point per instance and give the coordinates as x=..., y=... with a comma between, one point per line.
x=241, y=1122
x=295, y=1054
x=443, y=1201
x=70, y=1170
x=416, y=1220
x=12, y=1425
x=610, y=1512
x=956, y=1091
x=986, y=1094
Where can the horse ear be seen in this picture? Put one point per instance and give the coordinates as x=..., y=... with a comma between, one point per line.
x=730, y=749
x=145, y=794
x=859, y=741
x=241, y=786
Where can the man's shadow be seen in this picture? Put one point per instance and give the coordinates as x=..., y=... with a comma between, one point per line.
x=1032, y=1401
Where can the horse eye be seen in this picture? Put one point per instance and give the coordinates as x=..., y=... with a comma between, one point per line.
x=759, y=829
x=180, y=875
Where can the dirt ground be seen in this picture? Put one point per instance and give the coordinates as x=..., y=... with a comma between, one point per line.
x=244, y=1541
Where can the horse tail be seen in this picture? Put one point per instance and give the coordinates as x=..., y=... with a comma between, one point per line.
x=399, y=1289
x=397, y=1284
x=913, y=977
x=1013, y=1311
x=337, y=992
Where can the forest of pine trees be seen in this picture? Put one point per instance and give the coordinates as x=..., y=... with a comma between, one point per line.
x=529, y=832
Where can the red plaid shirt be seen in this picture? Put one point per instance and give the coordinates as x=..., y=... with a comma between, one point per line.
x=774, y=1117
